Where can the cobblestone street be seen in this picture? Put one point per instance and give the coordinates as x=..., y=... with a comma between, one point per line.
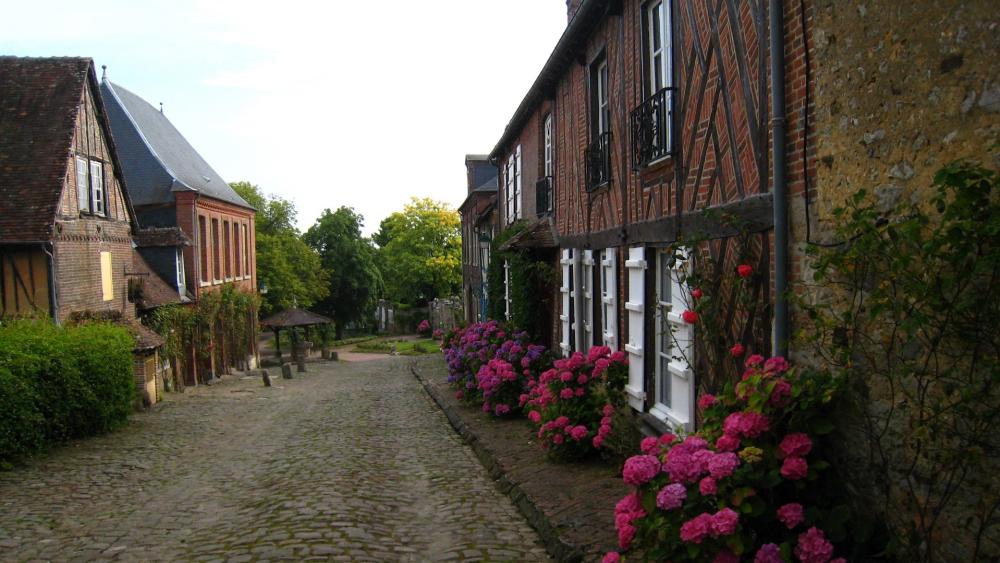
x=352, y=461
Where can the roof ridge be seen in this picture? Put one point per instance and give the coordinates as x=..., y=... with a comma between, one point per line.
x=128, y=114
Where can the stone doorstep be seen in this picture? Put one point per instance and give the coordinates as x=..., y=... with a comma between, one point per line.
x=558, y=547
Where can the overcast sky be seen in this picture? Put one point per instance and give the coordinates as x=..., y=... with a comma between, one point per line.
x=361, y=103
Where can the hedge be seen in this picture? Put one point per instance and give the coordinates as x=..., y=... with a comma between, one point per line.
x=59, y=383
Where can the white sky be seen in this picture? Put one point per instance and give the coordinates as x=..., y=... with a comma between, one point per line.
x=361, y=103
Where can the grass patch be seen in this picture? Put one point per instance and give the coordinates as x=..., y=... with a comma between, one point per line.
x=402, y=347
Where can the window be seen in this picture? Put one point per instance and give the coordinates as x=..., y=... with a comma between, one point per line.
x=227, y=250
x=107, y=277
x=97, y=187
x=658, y=51
x=216, y=262
x=512, y=176
x=652, y=138
x=548, y=150
x=599, y=90
x=237, y=257
x=181, y=282
x=609, y=307
x=203, y=247
x=247, y=251
x=674, y=342
x=83, y=184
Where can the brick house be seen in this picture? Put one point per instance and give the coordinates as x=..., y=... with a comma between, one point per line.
x=479, y=213
x=66, y=221
x=207, y=226
x=669, y=149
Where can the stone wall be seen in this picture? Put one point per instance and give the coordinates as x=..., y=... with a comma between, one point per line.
x=897, y=90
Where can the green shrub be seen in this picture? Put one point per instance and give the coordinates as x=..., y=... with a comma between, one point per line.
x=59, y=383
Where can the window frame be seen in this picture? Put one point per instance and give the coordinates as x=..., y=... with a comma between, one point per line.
x=216, y=252
x=674, y=378
x=179, y=266
x=83, y=184
x=600, y=79
x=98, y=201
x=227, y=249
x=548, y=147
x=666, y=50
x=204, y=251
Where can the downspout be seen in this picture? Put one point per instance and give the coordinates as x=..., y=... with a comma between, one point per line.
x=53, y=300
x=777, y=50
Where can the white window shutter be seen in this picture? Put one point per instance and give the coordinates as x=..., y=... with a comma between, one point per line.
x=587, y=294
x=635, y=309
x=506, y=289
x=564, y=316
x=518, y=193
x=609, y=304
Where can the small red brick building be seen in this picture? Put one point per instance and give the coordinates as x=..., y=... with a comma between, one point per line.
x=479, y=217
x=178, y=194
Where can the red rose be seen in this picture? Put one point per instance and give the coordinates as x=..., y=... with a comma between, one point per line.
x=744, y=270
x=696, y=293
x=737, y=351
x=690, y=317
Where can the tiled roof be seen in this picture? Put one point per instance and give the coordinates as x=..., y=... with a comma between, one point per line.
x=162, y=236
x=39, y=101
x=145, y=337
x=295, y=317
x=539, y=234
x=157, y=159
x=155, y=291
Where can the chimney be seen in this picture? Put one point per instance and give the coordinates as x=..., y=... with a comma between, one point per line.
x=571, y=7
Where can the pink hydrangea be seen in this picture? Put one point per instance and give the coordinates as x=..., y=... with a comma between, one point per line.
x=561, y=421
x=768, y=553
x=566, y=376
x=726, y=556
x=626, y=532
x=650, y=445
x=776, y=365
x=706, y=401
x=722, y=465
x=794, y=468
x=534, y=416
x=795, y=445
x=501, y=409
x=813, y=547
x=708, y=487
x=578, y=432
x=670, y=497
x=727, y=443
x=781, y=394
x=791, y=514
x=745, y=424
x=668, y=438
x=618, y=357
x=754, y=361
x=724, y=522
x=611, y=557
x=608, y=410
x=628, y=509
x=598, y=441
x=557, y=439
x=640, y=469
x=582, y=379
x=579, y=392
x=697, y=528
x=566, y=393
x=597, y=352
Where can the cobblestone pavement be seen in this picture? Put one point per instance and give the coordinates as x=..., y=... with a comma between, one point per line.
x=351, y=462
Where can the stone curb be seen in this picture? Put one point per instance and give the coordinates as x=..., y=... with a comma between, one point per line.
x=559, y=549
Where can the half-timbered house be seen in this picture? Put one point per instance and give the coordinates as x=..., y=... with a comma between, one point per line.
x=650, y=125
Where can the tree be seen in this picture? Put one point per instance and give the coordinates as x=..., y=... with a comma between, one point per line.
x=287, y=266
x=355, y=281
x=420, y=249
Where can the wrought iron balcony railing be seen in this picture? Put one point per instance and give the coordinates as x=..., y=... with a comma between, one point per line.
x=652, y=138
x=544, y=196
x=598, y=159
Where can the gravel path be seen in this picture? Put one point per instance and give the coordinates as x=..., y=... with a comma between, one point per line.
x=351, y=462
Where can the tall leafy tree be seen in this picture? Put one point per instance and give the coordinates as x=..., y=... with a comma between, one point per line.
x=355, y=281
x=420, y=251
x=287, y=266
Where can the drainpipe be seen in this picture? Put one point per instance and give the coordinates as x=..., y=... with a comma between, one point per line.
x=53, y=298
x=780, y=192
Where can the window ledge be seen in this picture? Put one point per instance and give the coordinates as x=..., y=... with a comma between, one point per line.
x=658, y=165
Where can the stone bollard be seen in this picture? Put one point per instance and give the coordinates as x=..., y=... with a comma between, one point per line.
x=302, y=354
x=286, y=371
x=266, y=377
x=333, y=355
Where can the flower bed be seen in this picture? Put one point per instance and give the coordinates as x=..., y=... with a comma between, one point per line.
x=573, y=403
x=515, y=367
x=747, y=486
x=468, y=349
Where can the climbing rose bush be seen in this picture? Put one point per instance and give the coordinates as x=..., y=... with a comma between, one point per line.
x=573, y=403
x=505, y=380
x=747, y=487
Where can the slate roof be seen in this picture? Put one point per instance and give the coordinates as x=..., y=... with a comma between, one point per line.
x=157, y=159
x=39, y=101
x=295, y=317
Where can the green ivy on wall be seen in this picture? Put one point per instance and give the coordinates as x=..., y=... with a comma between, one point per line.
x=531, y=282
